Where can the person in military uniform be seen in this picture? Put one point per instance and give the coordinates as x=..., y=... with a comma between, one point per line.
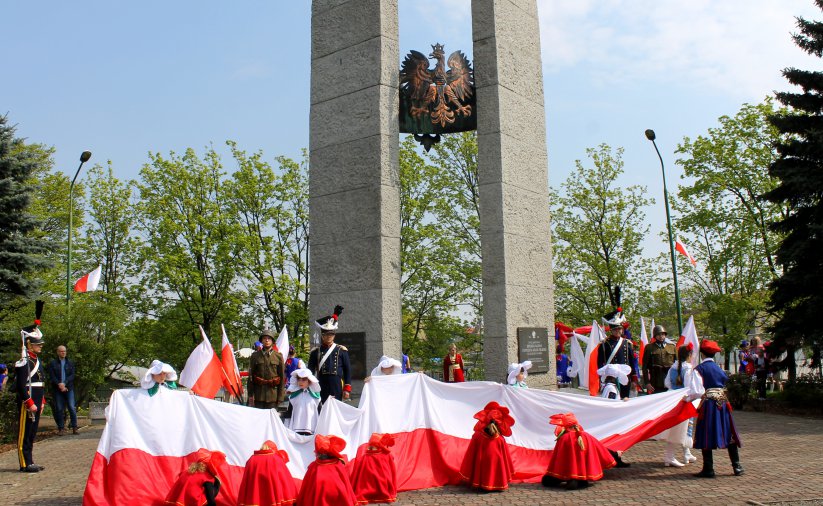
x=267, y=374
x=616, y=349
x=29, y=380
x=658, y=357
x=330, y=361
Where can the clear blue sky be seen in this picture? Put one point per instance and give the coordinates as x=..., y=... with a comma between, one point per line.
x=125, y=78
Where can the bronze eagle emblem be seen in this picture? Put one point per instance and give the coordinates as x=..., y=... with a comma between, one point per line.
x=439, y=93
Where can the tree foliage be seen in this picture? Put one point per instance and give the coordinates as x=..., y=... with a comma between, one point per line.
x=598, y=228
x=725, y=222
x=797, y=295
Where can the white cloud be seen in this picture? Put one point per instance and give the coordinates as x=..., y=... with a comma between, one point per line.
x=735, y=46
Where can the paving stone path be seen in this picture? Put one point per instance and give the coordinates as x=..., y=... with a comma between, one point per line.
x=783, y=457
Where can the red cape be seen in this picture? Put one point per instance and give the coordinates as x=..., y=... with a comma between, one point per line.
x=569, y=462
x=188, y=489
x=326, y=484
x=487, y=463
x=266, y=480
x=374, y=477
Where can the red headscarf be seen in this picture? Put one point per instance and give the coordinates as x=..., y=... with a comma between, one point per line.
x=496, y=413
x=271, y=446
x=329, y=445
x=382, y=441
x=213, y=460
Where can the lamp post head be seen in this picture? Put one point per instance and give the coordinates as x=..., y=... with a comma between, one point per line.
x=650, y=134
x=85, y=156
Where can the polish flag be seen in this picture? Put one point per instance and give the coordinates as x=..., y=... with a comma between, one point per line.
x=595, y=338
x=681, y=248
x=159, y=435
x=283, y=343
x=690, y=337
x=202, y=372
x=89, y=282
x=231, y=373
x=644, y=338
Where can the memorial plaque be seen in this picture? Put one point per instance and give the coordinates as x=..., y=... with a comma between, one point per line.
x=355, y=342
x=533, y=344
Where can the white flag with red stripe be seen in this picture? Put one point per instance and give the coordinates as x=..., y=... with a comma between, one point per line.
x=89, y=282
x=644, y=338
x=681, y=248
x=690, y=337
x=283, y=343
x=202, y=372
x=231, y=378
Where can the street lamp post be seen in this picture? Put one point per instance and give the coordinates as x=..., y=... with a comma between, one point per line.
x=650, y=135
x=84, y=157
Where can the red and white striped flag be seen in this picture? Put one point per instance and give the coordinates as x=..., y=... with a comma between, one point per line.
x=202, y=372
x=231, y=378
x=690, y=337
x=89, y=282
x=644, y=339
x=681, y=248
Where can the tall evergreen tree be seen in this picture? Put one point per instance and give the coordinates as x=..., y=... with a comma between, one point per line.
x=797, y=295
x=20, y=253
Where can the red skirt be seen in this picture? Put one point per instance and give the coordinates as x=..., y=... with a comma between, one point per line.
x=266, y=481
x=487, y=463
x=569, y=462
x=326, y=484
x=374, y=478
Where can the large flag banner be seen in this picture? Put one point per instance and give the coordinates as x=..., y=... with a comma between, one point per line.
x=159, y=436
x=231, y=373
x=202, y=372
x=283, y=343
x=89, y=282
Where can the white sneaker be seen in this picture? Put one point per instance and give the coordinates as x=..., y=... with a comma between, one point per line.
x=673, y=462
x=688, y=458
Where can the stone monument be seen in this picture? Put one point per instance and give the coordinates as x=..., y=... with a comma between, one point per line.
x=354, y=175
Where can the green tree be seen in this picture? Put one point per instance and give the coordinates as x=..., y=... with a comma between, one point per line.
x=797, y=294
x=271, y=209
x=598, y=227
x=21, y=253
x=726, y=222
x=191, y=241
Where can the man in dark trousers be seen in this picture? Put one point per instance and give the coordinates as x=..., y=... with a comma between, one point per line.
x=658, y=357
x=616, y=349
x=330, y=362
x=29, y=387
x=61, y=373
x=267, y=373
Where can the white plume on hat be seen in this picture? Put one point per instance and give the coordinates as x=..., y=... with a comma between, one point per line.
x=386, y=362
x=314, y=384
x=157, y=367
x=619, y=371
x=514, y=370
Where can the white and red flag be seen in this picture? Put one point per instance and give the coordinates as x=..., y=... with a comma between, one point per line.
x=681, y=248
x=595, y=338
x=690, y=337
x=89, y=282
x=644, y=339
x=202, y=372
x=283, y=344
x=231, y=376
x=158, y=436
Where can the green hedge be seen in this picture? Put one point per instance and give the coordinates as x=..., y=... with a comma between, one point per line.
x=805, y=392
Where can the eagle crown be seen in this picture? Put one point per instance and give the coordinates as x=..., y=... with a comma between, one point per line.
x=437, y=51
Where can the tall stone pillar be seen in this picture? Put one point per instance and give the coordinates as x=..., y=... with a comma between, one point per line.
x=354, y=170
x=513, y=178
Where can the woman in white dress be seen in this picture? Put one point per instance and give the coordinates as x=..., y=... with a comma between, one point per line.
x=682, y=375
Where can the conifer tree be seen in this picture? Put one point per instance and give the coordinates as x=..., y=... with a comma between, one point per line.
x=798, y=294
x=20, y=253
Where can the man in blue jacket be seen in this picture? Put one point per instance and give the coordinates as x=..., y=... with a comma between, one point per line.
x=61, y=373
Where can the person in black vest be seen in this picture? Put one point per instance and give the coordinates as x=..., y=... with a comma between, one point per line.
x=28, y=385
x=330, y=361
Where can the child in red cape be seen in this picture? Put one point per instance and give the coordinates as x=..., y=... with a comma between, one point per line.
x=375, y=476
x=487, y=464
x=578, y=457
x=198, y=485
x=266, y=479
x=326, y=482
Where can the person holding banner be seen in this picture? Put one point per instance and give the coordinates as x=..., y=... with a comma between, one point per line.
x=658, y=357
x=330, y=361
x=617, y=349
x=267, y=374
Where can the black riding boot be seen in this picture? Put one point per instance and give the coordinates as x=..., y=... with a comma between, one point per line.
x=734, y=456
x=708, y=465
